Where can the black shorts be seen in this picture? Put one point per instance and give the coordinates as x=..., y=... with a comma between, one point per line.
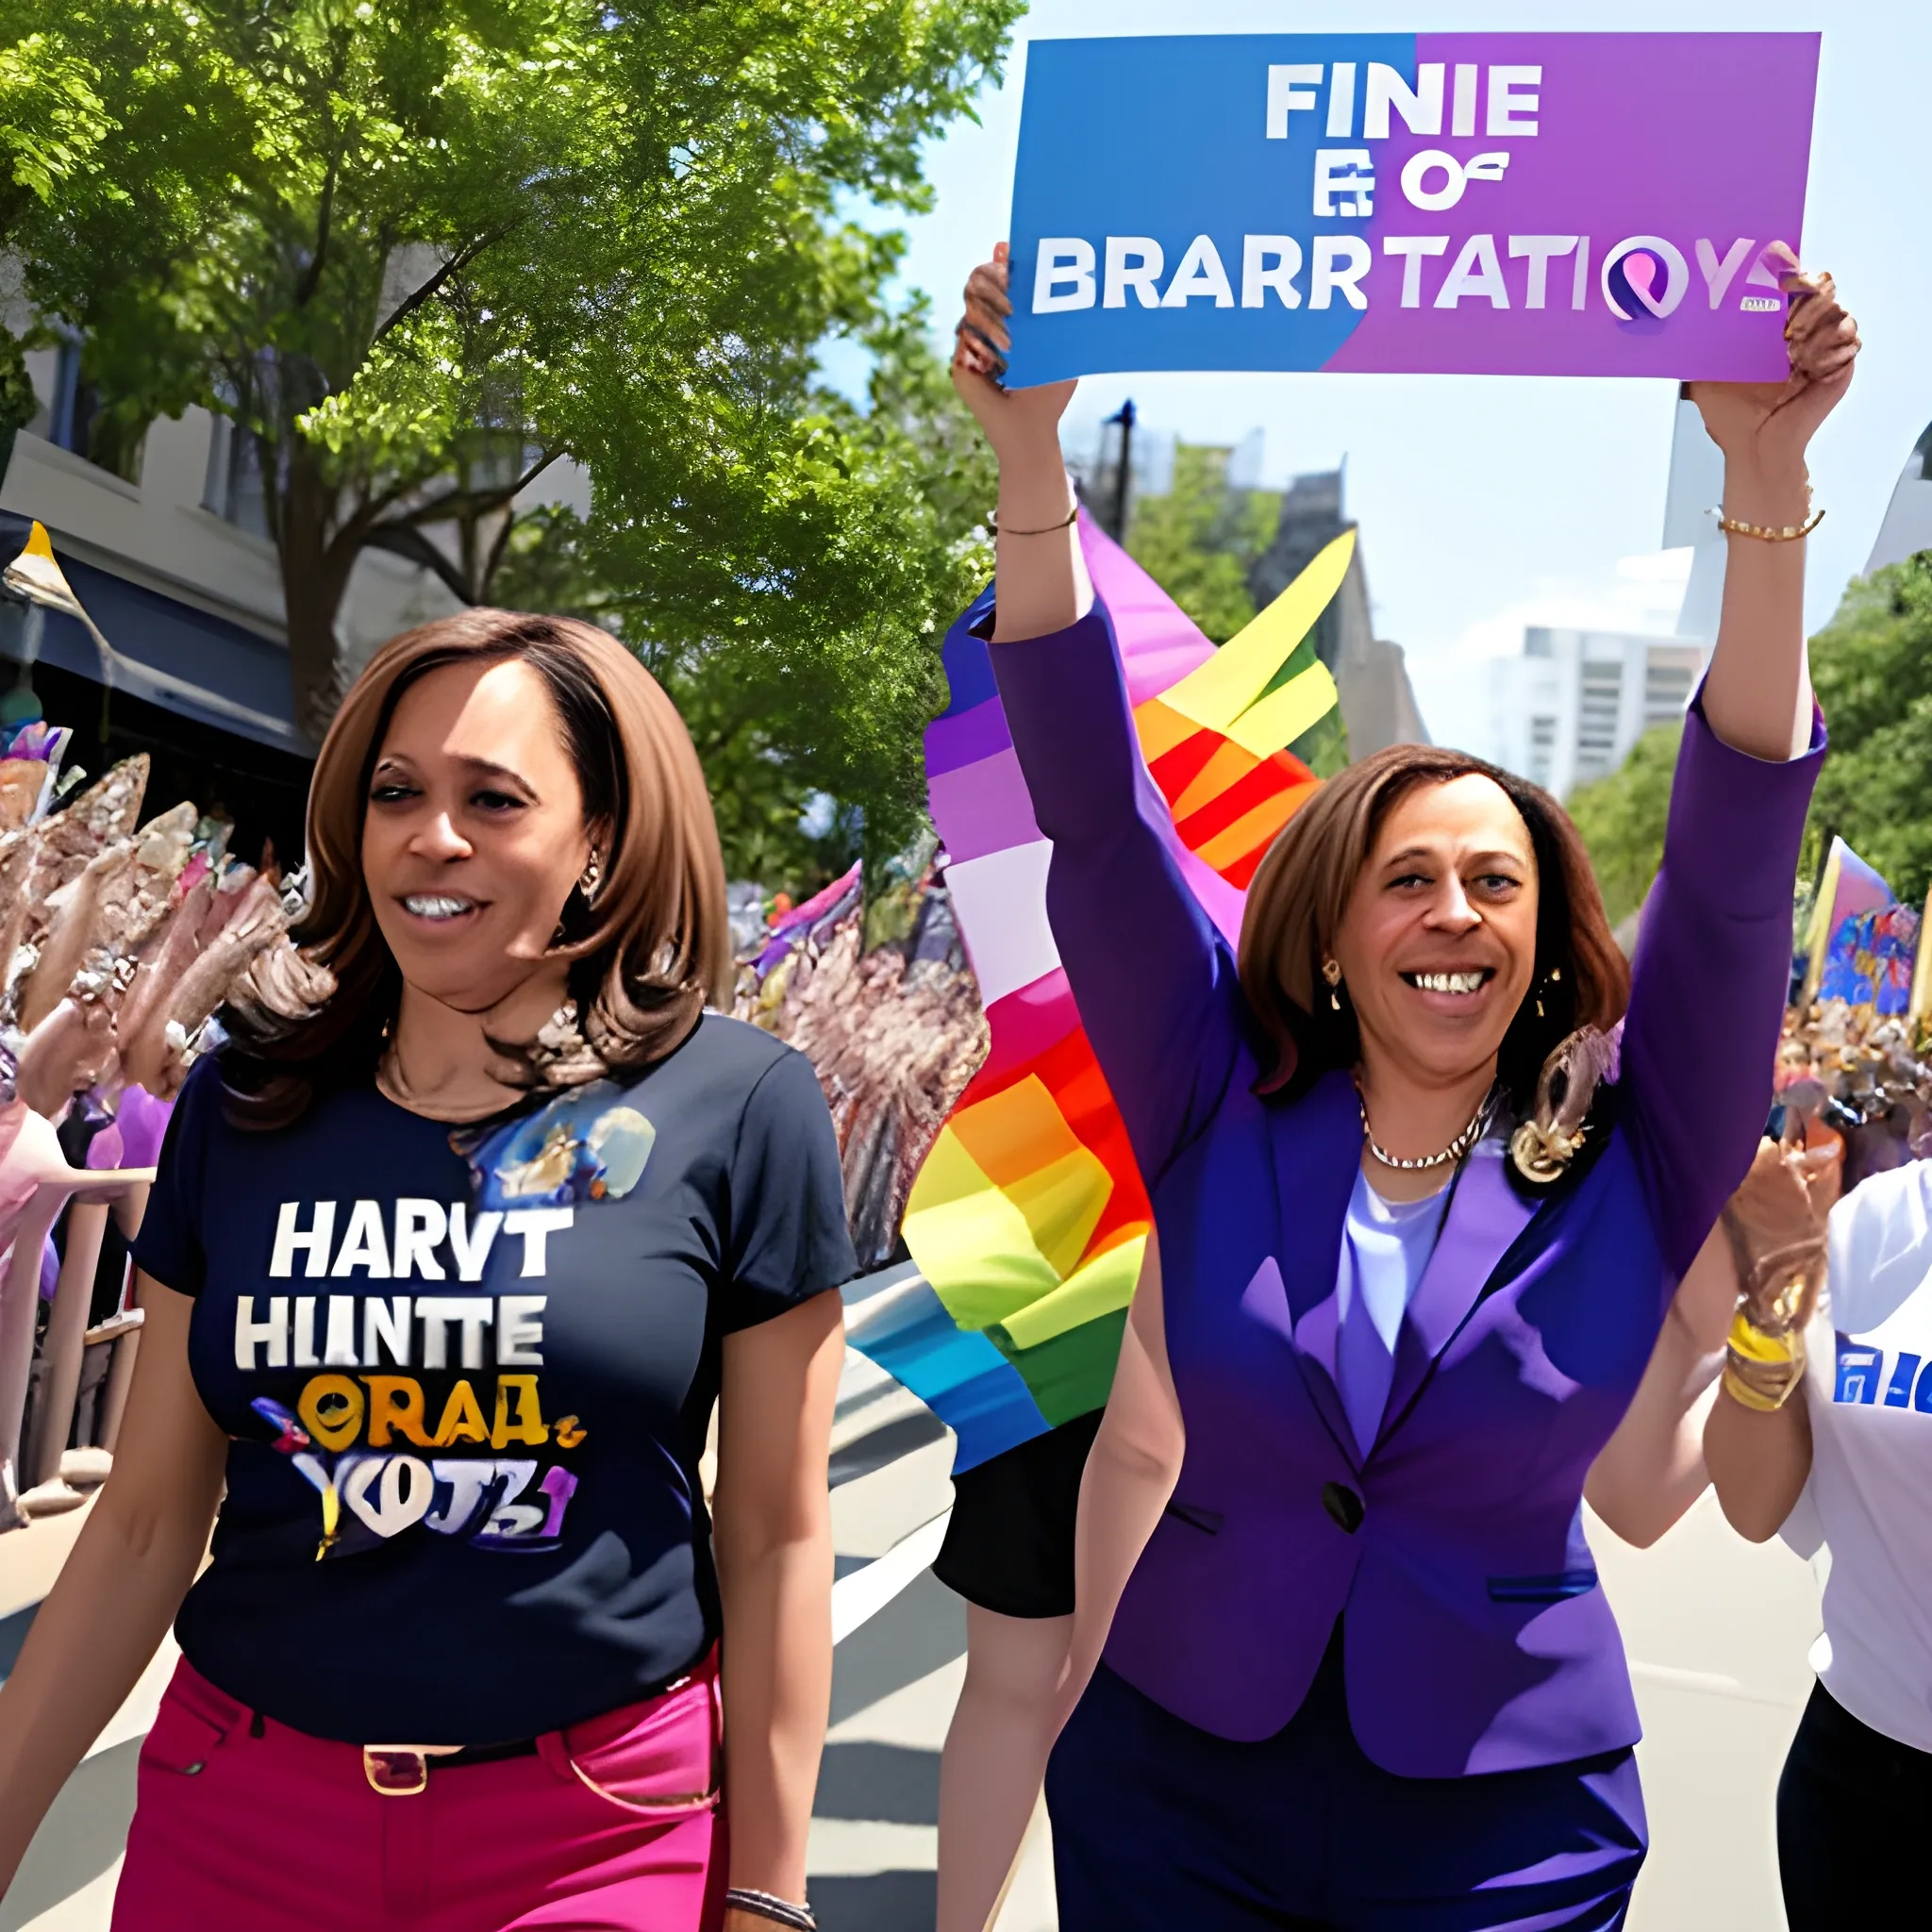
x=1009, y=1546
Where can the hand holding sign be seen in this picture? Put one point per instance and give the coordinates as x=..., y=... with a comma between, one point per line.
x=1765, y=427
x=979, y=360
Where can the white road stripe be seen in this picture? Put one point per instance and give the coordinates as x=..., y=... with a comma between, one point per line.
x=859, y=1597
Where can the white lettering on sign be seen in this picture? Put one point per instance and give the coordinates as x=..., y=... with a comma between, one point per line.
x=1133, y=262
x=1344, y=182
x=1200, y=274
x=1717, y=275
x=1270, y=261
x=1341, y=100
x=1340, y=262
x=1540, y=250
x=1475, y=272
x=1063, y=278
x=1411, y=248
x=1420, y=109
x=1291, y=89
x=1509, y=102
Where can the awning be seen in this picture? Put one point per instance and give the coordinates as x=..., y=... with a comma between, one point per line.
x=210, y=670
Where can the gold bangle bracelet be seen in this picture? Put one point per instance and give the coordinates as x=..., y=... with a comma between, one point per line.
x=1767, y=533
x=1749, y=1395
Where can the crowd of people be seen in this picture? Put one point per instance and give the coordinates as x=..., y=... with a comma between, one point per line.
x=484, y=1203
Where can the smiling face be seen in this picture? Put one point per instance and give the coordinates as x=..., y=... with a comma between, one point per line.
x=1437, y=944
x=473, y=833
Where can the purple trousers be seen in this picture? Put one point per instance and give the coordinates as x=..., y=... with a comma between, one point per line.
x=243, y=1825
x=1156, y=1824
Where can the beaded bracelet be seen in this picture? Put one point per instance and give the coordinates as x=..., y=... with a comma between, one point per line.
x=1788, y=533
x=765, y=1905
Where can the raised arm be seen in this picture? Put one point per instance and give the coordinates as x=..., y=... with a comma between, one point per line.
x=1156, y=984
x=1713, y=959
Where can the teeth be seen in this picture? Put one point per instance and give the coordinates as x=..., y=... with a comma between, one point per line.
x=435, y=905
x=1445, y=982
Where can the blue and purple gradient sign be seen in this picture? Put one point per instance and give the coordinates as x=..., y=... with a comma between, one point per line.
x=1543, y=204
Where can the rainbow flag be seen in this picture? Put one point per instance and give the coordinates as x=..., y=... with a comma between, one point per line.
x=1030, y=1218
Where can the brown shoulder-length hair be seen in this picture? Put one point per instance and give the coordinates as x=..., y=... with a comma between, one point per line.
x=644, y=958
x=1303, y=886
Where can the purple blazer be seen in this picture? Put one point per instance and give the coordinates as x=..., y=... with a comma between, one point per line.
x=1476, y=1637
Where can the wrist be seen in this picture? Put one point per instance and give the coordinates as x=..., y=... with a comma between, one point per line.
x=1028, y=453
x=1776, y=495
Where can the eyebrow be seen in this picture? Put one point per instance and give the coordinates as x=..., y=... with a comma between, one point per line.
x=1409, y=854
x=486, y=768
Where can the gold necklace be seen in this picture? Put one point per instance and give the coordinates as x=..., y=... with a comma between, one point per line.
x=1455, y=1151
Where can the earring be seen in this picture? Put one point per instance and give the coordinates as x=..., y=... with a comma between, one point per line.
x=1550, y=978
x=1331, y=972
x=593, y=878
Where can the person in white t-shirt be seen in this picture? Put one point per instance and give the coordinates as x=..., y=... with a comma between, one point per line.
x=1828, y=1440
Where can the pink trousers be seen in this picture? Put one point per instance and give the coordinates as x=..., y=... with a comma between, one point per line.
x=239, y=1824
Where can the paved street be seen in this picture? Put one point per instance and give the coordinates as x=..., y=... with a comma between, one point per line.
x=1717, y=1632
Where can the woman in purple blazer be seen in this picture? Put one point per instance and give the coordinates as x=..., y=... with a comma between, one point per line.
x=1357, y=1670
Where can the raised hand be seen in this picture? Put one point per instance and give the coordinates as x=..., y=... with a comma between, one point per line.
x=1777, y=1236
x=1014, y=419
x=1766, y=426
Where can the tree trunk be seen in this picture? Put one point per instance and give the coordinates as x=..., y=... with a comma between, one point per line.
x=316, y=561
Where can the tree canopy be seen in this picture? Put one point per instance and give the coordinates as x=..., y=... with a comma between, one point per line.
x=1621, y=818
x=1872, y=669
x=418, y=250
x=820, y=675
x=1200, y=541
x=1872, y=666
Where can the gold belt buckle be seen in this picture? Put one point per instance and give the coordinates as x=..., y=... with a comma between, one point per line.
x=401, y=1770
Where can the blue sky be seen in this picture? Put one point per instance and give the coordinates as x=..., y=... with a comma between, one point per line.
x=1488, y=503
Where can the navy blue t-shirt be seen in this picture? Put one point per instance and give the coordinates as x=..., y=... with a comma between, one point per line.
x=468, y=1375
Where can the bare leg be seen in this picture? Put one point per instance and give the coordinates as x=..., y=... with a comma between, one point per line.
x=995, y=1758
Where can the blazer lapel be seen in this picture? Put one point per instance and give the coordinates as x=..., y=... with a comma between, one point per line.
x=1316, y=1148
x=1484, y=1219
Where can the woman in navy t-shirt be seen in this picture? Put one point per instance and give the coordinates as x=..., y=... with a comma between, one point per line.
x=452, y=1252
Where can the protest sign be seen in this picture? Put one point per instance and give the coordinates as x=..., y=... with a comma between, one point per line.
x=1543, y=204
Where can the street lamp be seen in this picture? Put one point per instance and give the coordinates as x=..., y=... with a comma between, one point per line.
x=1125, y=417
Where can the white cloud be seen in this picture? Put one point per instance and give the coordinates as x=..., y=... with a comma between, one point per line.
x=1640, y=593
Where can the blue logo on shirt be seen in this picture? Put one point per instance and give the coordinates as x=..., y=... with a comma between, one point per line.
x=1862, y=1377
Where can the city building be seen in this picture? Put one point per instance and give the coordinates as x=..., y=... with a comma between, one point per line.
x=1908, y=526
x=1378, y=705
x=166, y=546
x=1569, y=709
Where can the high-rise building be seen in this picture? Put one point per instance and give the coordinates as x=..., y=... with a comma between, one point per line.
x=1569, y=708
x=1908, y=526
x=1378, y=705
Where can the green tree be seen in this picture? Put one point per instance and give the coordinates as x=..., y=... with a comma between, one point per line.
x=817, y=677
x=1199, y=542
x=418, y=250
x=1872, y=666
x=1621, y=818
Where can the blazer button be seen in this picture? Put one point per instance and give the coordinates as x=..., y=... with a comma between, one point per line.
x=1343, y=1506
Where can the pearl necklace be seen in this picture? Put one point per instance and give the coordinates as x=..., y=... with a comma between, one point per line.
x=1455, y=1151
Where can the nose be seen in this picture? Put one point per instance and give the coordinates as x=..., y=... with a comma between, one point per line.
x=439, y=839
x=1452, y=912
